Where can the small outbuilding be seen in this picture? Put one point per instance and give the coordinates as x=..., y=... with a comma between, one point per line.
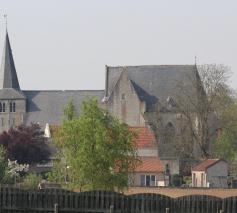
x=149, y=173
x=210, y=173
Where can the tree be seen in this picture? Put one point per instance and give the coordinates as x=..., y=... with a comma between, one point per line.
x=3, y=164
x=99, y=150
x=16, y=170
x=225, y=145
x=200, y=112
x=26, y=144
x=69, y=111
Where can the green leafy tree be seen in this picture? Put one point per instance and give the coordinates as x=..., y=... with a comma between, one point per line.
x=225, y=145
x=69, y=111
x=98, y=148
x=3, y=163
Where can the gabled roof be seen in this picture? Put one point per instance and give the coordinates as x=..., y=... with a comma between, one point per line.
x=144, y=137
x=8, y=75
x=204, y=165
x=10, y=93
x=154, y=83
x=47, y=106
x=150, y=164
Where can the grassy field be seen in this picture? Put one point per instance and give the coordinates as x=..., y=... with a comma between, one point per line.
x=177, y=192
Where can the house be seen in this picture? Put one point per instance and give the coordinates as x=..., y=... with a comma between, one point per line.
x=151, y=171
x=210, y=173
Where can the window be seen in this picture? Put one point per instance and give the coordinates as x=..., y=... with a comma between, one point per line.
x=0, y=107
x=153, y=180
x=169, y=133
x=123, y=96
x=4, y=107
x=12, y=107
x=148, y=180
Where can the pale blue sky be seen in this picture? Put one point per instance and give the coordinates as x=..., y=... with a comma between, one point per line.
x=65, y=44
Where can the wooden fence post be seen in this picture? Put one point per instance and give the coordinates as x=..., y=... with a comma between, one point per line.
x=167, y=210
x=111, y=209
x=55, y=208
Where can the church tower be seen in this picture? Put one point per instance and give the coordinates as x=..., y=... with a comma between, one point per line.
x=12, y=99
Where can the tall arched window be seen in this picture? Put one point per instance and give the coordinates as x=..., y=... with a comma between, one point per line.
x=3, y=107
x=169, y=132
x=0, y=107
x=10, y=107
x=14, y=107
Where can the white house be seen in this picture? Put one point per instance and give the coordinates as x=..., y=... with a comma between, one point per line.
x=210, y=173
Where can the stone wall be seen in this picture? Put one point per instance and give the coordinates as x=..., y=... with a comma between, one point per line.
x=9, y=119
x=125, y=104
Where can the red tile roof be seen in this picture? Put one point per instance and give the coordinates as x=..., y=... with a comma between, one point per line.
x=145, y=138
x=204, y=165
x=150, y=164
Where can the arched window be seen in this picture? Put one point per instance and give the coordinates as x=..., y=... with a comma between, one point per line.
x=169, y=132
x=0, y=107
x=14, y=107
x=10, y=106
x=3, y=107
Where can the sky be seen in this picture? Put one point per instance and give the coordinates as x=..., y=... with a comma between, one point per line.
x=65, y=44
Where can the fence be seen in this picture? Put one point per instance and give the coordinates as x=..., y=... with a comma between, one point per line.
x=58, y=200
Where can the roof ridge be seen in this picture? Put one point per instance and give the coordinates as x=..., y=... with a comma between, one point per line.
x=61, y=90
x=152, y=65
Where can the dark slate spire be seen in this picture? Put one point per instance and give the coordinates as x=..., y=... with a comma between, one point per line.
x=8, y=76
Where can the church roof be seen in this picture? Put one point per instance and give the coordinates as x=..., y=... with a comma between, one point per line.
x=11, y=94
x=8, y=75
x=153, y=83
x=47, y=106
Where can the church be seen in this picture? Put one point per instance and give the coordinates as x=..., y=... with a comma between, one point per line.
x=32, y=106
x=141, y=96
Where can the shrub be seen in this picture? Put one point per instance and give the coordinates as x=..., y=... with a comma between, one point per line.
x=32, y=181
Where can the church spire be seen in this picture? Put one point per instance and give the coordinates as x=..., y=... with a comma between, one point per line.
x=8, y=75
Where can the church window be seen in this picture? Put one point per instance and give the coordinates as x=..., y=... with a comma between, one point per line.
x=123, y=96
x=3, y=107
x=14, y=107
x=0, y=107
x=11, y=107
x=169, y=133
